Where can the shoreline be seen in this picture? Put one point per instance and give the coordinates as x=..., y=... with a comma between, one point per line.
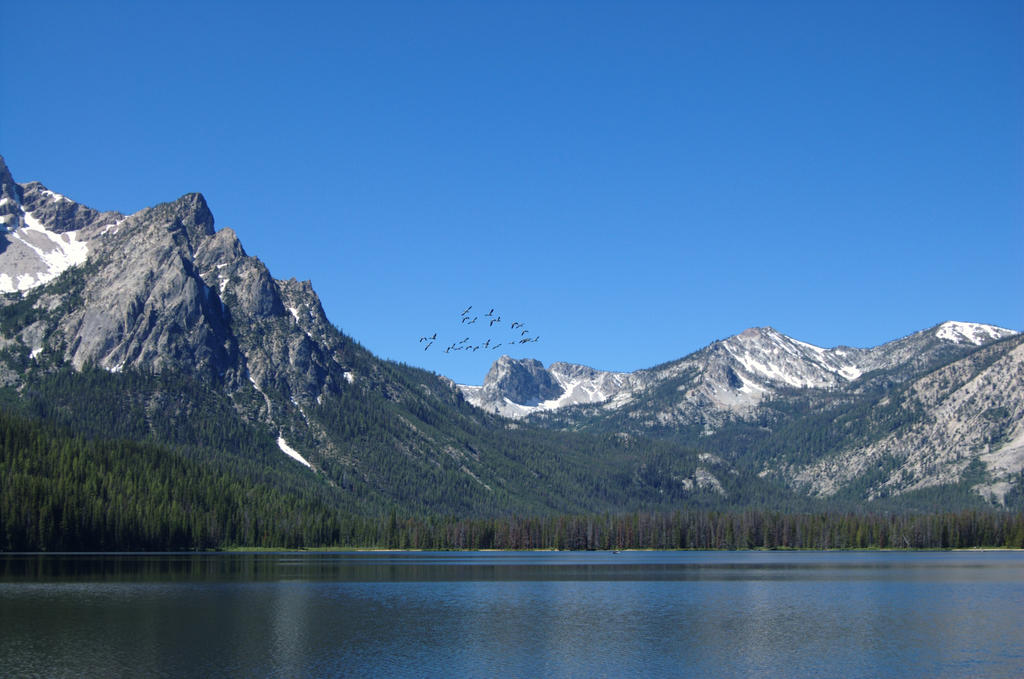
x=384, y=550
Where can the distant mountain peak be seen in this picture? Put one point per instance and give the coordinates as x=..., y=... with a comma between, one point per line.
x=760, y=331
x=522, y=380
x=517, y=387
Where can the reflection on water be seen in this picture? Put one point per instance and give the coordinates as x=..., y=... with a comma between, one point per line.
x=490, y=566
x=514, y=614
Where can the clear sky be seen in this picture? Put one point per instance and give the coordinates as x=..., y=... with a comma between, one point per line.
x=630, y=180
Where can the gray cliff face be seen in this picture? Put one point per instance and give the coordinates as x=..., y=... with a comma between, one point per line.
x=145, y=306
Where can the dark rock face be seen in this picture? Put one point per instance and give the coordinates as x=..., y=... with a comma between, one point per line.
x=523, y=381
x=10, y=199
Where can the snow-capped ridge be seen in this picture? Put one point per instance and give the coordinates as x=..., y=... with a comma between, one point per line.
x=971, y=333
x=767, y=354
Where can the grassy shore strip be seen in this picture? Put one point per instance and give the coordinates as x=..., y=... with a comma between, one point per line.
x=384, y=550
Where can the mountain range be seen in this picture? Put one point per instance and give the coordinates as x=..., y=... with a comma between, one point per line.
x=934, y=403
x=158, y=328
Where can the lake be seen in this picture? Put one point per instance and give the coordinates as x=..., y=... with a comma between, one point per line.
x=514, y=614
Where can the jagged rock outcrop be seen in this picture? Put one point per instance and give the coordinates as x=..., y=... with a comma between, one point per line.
x=523, y=381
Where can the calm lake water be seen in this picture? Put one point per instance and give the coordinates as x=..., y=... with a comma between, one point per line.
x=635, y=614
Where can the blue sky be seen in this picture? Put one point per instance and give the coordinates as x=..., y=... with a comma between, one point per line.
x=630, y=180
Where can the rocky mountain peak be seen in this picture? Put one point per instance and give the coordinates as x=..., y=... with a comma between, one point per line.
x=42, y=233
x=164, y=291
x=759, y=335
x=767, y=354
x=194, y=216
x=194, y=212
x=188, y=217
x=523, y=380
x=759, y=332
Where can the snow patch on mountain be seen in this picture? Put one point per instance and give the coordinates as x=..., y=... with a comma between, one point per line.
x=54, y=196
x=35, y=255
x=291, y=452
x=581, y=385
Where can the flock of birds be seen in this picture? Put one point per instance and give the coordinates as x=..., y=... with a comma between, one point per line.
x=492, y=319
